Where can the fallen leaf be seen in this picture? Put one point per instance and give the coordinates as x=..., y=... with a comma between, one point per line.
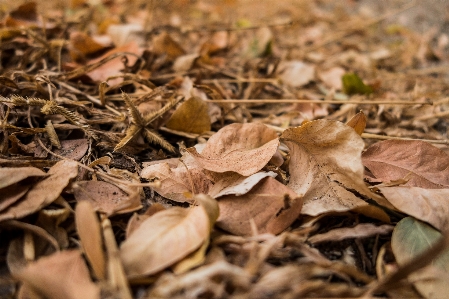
x=272, y=205
x=163, y=44
x=191, y=116
x=362, y=230
x=106, y=197
x=332, y=77
x=235, y=184
x=193, y=260
x=358, y=122
x=60, y=275
x=353, y=84
x=296, y=73
x=89, y=232
x=428, y=205
x=44, y=192
x=81, y=45
x=167, y=237
x=425, y=165
x=10, y=176
x=73, y=149
x=179, y=178
x=23, y=16
x=326, y=167
x=242, y=148
x=412, y=237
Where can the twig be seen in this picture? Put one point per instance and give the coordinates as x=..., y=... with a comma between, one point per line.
x=282, y=101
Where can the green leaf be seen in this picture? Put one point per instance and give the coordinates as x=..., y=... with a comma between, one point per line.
x=352, y=84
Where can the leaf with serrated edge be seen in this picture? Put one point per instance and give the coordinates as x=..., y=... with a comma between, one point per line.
x=167, y=237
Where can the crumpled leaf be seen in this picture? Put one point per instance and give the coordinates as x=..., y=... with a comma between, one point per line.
x=179, y=178
x=325, y=165
x=44, y=192
x=428, y=205
x=60, y=275
x=242, y=148
x=272, y=205
x=412, y=237
x=235, y=184
x=191, y=116
x=106, y=197
x=167, y=237
x=425, y=165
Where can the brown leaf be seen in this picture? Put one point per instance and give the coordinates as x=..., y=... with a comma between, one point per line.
x=106, y=197
x=332, y=77
x=428, y=205
x=44, y=192
x=167, y=237
x=61, y=275
x=272, y=205
x=242, y=148
x=325, y=165
x=163, y=44
x=89, y=232
x=23, y=16
x=358, y=122
x=191, y=117
x=10, y=176
x=179, y=178
x=425, y=165
x=81, y=45
x=362, y=230
x=73, y=149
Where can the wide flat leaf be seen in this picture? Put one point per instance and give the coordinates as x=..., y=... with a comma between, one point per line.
x=192, y=116
x=428, y=205
x=9, y=176
x=271, y=205
x=242, y=148
x=326, y=167
x=167, y=237
x=60, y=275
x=412, y=237
x=425, y=165
x=44, y=192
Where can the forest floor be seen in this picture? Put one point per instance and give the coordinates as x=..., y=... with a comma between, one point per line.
x=224, y=149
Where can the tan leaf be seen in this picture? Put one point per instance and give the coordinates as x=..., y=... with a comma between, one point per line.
x=44, y=192
x=10, y=176
x=61, y=275
x=358, y=122
x=332, y=77
x=89, y=232
x=106, y=197
x=325, y=164
x=179, y=178
x=163, y=44
x=81, y=44
x=428, y=205
x=242, y=148
x=362, y=230
x=191, y=116
x=296, y=73
x=73, y=149
x=193, y=260
x=235, y=184
x=167, y=237
x=272, y=205
x=426, y=165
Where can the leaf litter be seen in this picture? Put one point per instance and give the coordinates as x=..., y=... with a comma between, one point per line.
x=223, y=149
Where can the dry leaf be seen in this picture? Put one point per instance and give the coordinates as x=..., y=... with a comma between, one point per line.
x=106, y=197
x=296, y=73
x=272, y=205
x=167, y=237
x=179, y=178
x=44, y=192
x=235, y=184
x=89, y=232
x=10, y=176
x=332, y=77
x=193, y=260
x=325, y=165
x=241, y=148
x=358, y=122
x=163, y=44
x=81, y=45
x=191, y=116
x=425, y=165
x=428, y=205
x=61, y=275
x=73, y=149
x=362, y=230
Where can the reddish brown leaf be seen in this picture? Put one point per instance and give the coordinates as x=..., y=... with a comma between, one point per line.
x=358, y=122
x=241, y=148
x=425, y=165
x=272, y=205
